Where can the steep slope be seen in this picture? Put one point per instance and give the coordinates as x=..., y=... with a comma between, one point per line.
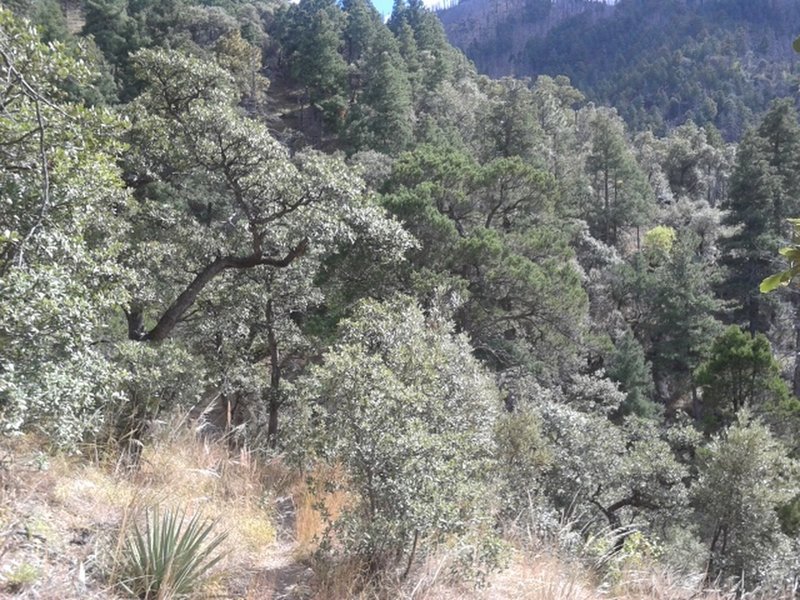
x=494, y=33
x=660, y=62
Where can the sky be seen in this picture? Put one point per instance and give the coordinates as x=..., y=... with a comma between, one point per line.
x=385, y=6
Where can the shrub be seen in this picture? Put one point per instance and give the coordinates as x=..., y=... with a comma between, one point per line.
x=408, y=412
x=170, y=557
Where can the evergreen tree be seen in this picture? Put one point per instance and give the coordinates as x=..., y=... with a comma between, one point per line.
x=781, y=134
x=113, y=29
x=620, y=194
x=382, y=118
x=510, y=124
x=410, y=53
x=748, y=252
x=739, y=372
x=628, y=366
x=313, y=39
x=487, y=235
x=363, y=21
x=668, y=299
x=399, y=16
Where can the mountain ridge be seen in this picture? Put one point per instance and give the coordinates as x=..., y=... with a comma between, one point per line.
x=660, y=63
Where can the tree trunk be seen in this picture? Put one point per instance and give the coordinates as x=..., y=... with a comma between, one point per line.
x=135, y=318
x=273, y=394
x=752, y=314
x=711, y=554
x=696, y=408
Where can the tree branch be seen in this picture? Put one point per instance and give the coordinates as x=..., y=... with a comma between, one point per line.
x=184, y=301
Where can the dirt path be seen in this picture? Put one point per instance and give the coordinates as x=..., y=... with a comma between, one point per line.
x=282, y=577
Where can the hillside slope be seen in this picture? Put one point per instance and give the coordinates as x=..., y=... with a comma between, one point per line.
x=660, y=62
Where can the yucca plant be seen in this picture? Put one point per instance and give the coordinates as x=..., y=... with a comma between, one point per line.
x=169, y=557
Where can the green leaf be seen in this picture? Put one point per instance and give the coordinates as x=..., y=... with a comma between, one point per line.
x=774, y=281
x=796, y=45
x=791, y=252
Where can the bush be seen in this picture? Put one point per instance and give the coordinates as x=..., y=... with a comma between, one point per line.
x=403, y=406
x=745, y=477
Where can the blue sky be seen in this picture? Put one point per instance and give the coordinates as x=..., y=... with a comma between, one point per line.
x=384, y=6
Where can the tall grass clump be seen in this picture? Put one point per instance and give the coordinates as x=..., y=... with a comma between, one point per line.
x=170, y=557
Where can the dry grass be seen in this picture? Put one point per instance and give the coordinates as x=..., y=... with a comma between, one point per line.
x=62, y=518
x=326, y=496
x=542, y=576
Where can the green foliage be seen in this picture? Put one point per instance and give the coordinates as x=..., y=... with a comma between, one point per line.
x=489, y=229
x=792, y=255
x=530, y=232
x=64, y=214
x=522, y=456
x=744, y=477
x=673, y=304
x=623, y=475
x=113, y=29
x=659, y=240
x=695, y=163
x=620, y=196
x=220, y=192
x=511, y=120
x=764, y=192
x=243, y=61
x=152, y=379
x=739, y=372
x=383, y=116
x=401, y=404
x=312, y=42
x=229, y=195
x=363, y=22
x=661, y=63
x=433, y=55
x=628, y=366
x=169, y=557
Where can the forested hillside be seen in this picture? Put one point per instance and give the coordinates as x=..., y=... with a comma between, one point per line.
x=476, y=321
x=660, y=62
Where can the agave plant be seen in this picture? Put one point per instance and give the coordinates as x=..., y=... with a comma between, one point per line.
x=169, y=557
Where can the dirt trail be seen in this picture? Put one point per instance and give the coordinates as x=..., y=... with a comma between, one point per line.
x=282, y=574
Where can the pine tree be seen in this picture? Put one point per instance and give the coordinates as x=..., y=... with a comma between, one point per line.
x=739, y=372
x=314, y=32
x=620, y=194
x=748, y=253
x=410, y=53
x=629, y=367
x=781, y=134
x=511, y=124
x=362, y=23
x=383, y=119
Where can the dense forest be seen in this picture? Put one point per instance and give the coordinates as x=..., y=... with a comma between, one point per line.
x=661, y=62
x=497, y=308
